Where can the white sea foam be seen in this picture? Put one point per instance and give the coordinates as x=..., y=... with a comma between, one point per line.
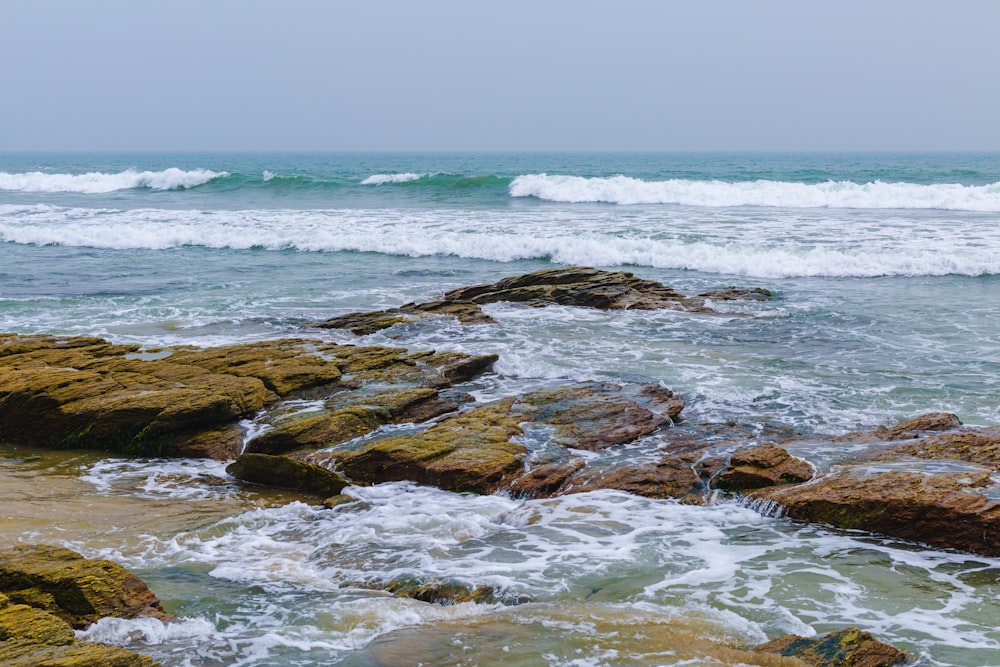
x=191, y=479
x=380, y=179
x=832, y=194
x=774, y=247
x=97, y=182
x=123, y=632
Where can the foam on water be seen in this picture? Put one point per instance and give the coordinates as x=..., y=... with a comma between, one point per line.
x=833, y=194
x=97, y=182
x=775, y=247
x=770, y=576
x=381, y=179
x=193, y=479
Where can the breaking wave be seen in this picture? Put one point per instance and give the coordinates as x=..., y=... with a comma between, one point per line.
x=769, y=249
x=832, y=194
x=380, y=179
x=97, y=182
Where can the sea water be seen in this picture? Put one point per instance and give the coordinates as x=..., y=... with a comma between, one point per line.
x=885, y=274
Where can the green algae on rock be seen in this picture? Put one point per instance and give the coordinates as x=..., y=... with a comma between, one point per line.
x=281, y=472
x=477, y=450
x=78, y=590
x=46, y=592
x=850, y=647
x=88, y=393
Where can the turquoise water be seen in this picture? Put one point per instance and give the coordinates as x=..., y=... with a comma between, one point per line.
x=885, y=270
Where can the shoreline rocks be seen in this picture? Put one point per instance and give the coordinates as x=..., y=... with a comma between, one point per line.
x=578, y=286
x=46, y=592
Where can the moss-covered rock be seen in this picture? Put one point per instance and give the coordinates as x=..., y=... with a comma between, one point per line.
x=282, y=472
x=477, y=450
x=471, y=451
x=46, y=589
x=89, y=393
x=76, y=589
x=317, y=430
x=850, y=647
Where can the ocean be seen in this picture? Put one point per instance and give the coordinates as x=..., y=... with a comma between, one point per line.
x=885, y=270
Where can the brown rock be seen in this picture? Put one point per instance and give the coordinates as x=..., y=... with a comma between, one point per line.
x=737, y=294
x=594, y=415
x=847, y=648
x=762, y=466
x=942, y=510
x=579, y=286
x=545, y=480
x=911, y=428
x=979, y=446
x=672, y=477
x=76, y=589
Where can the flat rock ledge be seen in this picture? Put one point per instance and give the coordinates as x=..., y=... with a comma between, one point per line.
x=46, y=592
x=573, y=286
x=902, y=487
x=81, y=392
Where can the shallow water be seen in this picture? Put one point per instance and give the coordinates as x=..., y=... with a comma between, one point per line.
x=886, y=302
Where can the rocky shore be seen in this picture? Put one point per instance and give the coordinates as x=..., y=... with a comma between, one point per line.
x=316, y=416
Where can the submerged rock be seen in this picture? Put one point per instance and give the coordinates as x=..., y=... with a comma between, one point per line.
x=365, y=323
x=281, y=472
x=448, y=592
x=572, y=286
x=850, y=647
x=47, y=591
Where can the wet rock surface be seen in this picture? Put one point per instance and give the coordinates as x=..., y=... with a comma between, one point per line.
x=946, y=510
x=850, y=647
x=89, y=393
x=762, y=466
x=281, y=472
x=449, y=592
x=574, y=286
x=896, y=488
x=478, y=450
x=46, y=592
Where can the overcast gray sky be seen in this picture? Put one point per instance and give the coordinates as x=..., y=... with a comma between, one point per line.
x=455, y=75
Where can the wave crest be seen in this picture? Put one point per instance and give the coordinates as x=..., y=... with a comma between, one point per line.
x=380, y=179
x=832, y=194
x=98, y=182
x=823, y=247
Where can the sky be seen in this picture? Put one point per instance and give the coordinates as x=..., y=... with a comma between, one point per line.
x=467, y=75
